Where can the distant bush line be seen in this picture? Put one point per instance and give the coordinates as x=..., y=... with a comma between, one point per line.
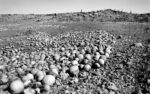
x=107, y=15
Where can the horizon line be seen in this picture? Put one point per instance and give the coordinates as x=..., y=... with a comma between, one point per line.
x=122, y=10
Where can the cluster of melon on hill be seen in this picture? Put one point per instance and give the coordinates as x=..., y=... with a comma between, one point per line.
x=66, y=57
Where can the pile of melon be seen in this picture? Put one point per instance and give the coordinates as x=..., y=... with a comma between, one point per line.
x=64, y=61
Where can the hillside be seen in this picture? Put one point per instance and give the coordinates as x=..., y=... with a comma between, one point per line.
x=107, y=15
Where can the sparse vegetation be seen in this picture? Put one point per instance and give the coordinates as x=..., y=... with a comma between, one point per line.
x=107, y=15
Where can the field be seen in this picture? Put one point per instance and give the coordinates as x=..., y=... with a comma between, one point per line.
x=134, y=29
x=127, y=66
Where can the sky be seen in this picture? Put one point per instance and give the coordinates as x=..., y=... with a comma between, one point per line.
x=61, y=6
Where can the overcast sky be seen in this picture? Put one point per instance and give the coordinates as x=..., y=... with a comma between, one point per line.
x=60, y=6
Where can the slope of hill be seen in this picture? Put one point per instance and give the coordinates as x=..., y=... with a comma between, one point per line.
x=104, y=16
x=107, y=15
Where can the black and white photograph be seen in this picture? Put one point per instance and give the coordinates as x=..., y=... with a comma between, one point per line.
x=74, y=46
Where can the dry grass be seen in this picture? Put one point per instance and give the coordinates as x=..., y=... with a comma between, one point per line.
x=136, y=30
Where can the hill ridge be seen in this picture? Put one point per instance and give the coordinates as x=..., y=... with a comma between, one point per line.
x=107, y=15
